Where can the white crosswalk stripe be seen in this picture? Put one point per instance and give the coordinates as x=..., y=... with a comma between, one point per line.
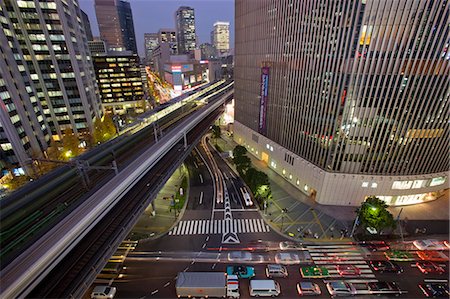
x=205, y=227
x=329, y=256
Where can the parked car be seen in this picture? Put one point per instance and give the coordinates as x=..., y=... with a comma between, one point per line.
x=275, y=270
x=288, y=245
x=241, y=271
x=430, y=267
x=384, y=288
x=375, y=245
x=348, y=270
x=340, y=288
x=430, y=244
x=385, y=266
x=435, y=289
x=287, y=258
x=306, y=288
x=103, y=292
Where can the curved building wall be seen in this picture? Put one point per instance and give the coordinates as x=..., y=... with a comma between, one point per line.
x=352, y=87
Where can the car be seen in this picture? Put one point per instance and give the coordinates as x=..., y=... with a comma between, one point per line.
x=430, y=244
x=348, y=270
x=435, y=289
x=399, y=255
x=103, y=292
x=306, y=288
x=384, y=287
x=241, y=271
x=385, y=266
x=275, y=270
x=430, y=255
x=375, y=245
x=288, y=245
x=314, y=272
x=244, y=256
x=430, y=267
x=447, y=243
x=287, y=258
x=340, y=288
x=248, y=201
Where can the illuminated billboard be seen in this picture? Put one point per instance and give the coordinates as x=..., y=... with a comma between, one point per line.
x=263, y=100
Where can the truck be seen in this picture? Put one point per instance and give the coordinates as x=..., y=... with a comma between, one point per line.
x=207, y=285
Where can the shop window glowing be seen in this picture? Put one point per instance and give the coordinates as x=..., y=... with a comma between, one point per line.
x=365, y=184
x=306, y=188
x=284, y=171
x=374, y=185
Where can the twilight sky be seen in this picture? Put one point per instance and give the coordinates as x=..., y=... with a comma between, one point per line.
x=150, y=15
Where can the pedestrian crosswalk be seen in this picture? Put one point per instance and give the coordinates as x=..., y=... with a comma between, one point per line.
x=330, y=256
x=205, y=227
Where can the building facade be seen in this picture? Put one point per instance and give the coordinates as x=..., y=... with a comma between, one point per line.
x=120, y=82
x=185, y=26
x=115, y=23
x=167, y=35
x=150, y=43
x=221, y=38
x=97, y=46
x=46, y=77
x=346, y=100
x=86, y=26
x=207, y=51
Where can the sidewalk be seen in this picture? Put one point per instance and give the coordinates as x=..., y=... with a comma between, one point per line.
x=304, y=219
x=158, y=218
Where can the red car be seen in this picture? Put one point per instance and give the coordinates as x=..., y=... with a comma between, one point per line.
x=348, y=270
x=430, y=267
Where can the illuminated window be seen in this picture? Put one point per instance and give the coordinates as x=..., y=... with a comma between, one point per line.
x=374, y=185
x=437, y=181
x=284, y=171
x=306, y=188
x=365, y=184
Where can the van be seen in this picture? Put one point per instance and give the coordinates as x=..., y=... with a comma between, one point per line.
x=276, y=270
x=264, y=288
x=103, y=292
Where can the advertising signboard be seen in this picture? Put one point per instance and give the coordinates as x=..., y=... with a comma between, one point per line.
x=263, y=99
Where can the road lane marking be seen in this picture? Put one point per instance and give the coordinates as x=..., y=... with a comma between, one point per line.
x=201, y=198
x=201, y=178
x=154, y=292
x=167, y=284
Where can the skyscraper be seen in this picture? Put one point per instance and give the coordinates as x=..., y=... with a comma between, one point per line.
x=167, y=35
x=185, y=23
x=346, y=100
x=115, y=22
x=150, y=43
x=221, y=37
x=86, y=26
x=47, y=83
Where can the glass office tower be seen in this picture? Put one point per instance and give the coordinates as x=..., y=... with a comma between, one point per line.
x=346, y=99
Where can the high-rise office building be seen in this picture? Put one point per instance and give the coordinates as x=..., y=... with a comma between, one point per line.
x=86, y=25
x=47, y=80
x=221, y=37
x=346, y=100
x=115, y=23
x=185, y=23
x=119, y=81
x=150, y=43
x=208, y=51
x=167, y=35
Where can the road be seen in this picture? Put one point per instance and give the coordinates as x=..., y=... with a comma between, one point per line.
x=217, y=221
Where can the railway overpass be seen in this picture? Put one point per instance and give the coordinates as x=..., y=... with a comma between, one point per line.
x=25, y=273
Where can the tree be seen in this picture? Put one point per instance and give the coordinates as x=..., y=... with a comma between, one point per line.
x=373, y=214
x=242, y=163
x=255, y=179
x=215, y=131
x=70, y=144
x=17, y=181
x=239, y=151
x=104, y=129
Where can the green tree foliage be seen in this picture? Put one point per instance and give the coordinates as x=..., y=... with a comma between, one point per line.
x=255, y=179
x=239, y=151
x=215, y=131
x=17, y=181
x=104, y=129
x=373, y=213
x=242, y=163
x=70, y=145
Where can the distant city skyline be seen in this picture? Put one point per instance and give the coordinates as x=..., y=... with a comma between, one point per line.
x=151, y=15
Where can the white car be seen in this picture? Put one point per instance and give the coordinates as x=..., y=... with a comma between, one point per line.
x=288, y=245
x=430, y=244
x=244, y=256
x=103, y=292
x=287, y=258
x=248, y=201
